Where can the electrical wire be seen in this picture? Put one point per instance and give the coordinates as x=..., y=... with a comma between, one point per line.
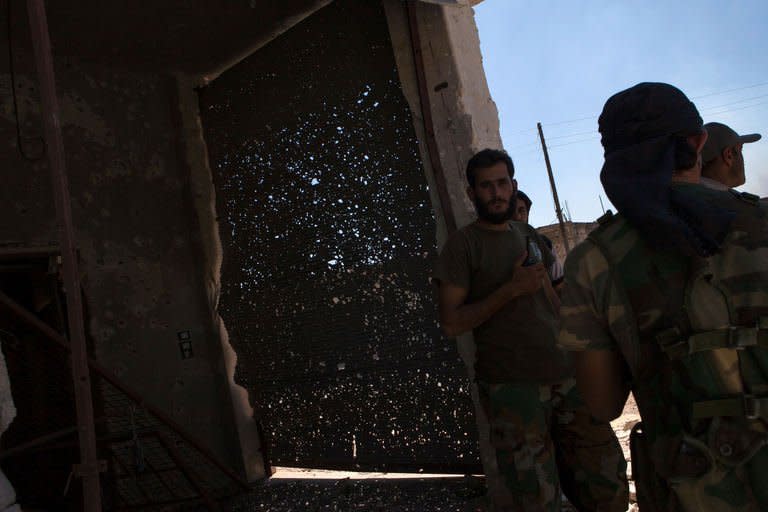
x=574, y=142
x=536, y=150
x=716, y=93
x=737, y=109
x=708, y=111
x=528, y=144
x=729, y=90
x=572, y=135
x=734, y=102
x=524, y=130
x=570, y=121
x=709, y=114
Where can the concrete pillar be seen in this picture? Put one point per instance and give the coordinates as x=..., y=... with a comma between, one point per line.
x=465, y=120
x=204, y=197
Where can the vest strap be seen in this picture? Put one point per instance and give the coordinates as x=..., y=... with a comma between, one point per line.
x=747, y=406
x=733, y=337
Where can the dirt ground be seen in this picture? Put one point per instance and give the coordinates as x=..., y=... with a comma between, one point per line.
x=623, y=427
x=308, y=490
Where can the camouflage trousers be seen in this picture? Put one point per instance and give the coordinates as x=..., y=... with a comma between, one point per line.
x=545, y=439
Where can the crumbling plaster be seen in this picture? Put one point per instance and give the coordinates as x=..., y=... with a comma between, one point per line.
x=465, y=120
x=204, y=197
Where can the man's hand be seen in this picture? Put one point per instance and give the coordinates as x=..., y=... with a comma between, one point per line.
x=457, y=317
x=526, y=280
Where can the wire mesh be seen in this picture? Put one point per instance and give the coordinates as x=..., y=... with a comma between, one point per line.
x=328, y=238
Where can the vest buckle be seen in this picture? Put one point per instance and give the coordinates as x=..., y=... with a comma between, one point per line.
x=752, y=407
x=743, y=337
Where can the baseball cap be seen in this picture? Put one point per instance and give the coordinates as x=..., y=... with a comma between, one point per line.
x=720, y=137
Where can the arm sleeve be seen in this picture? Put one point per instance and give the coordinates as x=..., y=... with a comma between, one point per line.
x=556, y=272
x=453, y=264
x=584, y=314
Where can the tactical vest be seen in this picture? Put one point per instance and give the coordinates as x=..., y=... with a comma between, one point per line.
x=699, y=360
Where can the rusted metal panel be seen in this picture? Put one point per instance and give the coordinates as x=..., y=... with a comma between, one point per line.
x=328, y=239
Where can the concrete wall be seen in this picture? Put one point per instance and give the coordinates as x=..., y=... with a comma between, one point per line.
x=464, y=115
x=465, y=120
x=575, y=231
x=137, y=230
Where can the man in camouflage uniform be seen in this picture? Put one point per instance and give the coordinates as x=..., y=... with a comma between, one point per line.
x=488, y=283
x=722, y=159
x=669, y=299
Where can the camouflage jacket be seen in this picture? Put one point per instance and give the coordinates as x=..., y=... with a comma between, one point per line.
x=694, y=334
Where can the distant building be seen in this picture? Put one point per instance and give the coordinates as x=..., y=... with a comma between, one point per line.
x=575, y=231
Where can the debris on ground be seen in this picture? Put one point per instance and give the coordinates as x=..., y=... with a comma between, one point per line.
x=307, y=490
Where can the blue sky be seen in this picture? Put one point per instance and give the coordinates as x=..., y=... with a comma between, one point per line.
x=558, y=61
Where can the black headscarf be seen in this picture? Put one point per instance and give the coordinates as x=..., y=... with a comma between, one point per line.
x=642, y=131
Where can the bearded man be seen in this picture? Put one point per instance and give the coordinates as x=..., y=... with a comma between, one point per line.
x=493, y=281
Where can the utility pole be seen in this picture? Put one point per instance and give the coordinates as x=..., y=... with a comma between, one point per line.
x=558, y=210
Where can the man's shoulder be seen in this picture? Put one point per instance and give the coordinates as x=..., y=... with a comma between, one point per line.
x=454, y=261
x=752, y=203
x=583, y=259
x=750, y=212
x=612, y=227
x=722, y=196
x=613, y=238
x=460, y=236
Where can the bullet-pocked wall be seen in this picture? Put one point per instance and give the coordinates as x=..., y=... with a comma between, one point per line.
x=149, y=319
x=328, y=240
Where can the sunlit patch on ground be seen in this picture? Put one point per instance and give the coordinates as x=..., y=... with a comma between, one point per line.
x=303, y=489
